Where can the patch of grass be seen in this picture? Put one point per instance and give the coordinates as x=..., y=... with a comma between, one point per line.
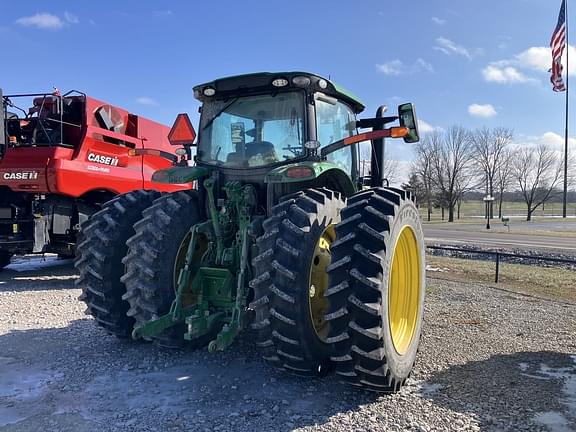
x=547, y=282
x=430, y=287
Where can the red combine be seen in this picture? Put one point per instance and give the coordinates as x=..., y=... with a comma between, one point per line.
x=61, y=158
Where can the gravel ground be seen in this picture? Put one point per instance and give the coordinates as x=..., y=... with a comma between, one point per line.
x=489, y=360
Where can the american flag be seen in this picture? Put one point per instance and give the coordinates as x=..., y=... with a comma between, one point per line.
x=558, y=43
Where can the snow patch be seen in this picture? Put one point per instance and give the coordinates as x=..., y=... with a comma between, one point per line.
x=556, y=421
x=22, y=389
x=427, y=389
x=523, y=366
x=436, y=269
x=34, y=263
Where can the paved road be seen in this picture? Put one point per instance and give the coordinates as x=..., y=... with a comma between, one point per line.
x=456, y=235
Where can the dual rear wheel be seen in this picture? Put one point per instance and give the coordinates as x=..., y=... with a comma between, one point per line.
x=341, y=286
x=337, y=285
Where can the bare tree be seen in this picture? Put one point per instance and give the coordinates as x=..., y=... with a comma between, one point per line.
x=452, y=155
x=504, y=177
x=489, y=146
x=538, y=172
x=422, y=170
x=571, y=170
x=390, y=168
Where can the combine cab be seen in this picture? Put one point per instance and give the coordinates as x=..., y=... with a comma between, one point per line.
x=281, y=236
x=61, y=158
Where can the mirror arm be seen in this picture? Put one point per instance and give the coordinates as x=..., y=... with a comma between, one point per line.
x=375, y=122
x=331, y=148
x=355, y=139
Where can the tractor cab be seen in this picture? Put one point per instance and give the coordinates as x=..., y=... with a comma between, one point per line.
x=280, y=130
x=267, y=120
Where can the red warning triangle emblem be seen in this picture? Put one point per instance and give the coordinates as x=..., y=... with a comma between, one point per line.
x=182, y=132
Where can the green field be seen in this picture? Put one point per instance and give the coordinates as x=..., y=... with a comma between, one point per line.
x=475, y=209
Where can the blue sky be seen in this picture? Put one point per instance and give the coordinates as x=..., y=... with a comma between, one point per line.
x=472, y=63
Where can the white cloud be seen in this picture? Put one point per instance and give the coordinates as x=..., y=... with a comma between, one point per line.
x=556, y=141
x=504, y=42
x=425, y=127
x=393, y=67
x=71, y=18
x=450, y=47
x=438, y=21
x=422, y=64
x=540, y=59
x=484, y=111
x=514, y=70
x=504, y=74
x=44, y=21
x=552, y=139
x=145, y=100
x=397, y=67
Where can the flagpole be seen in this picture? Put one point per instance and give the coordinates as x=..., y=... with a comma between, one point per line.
x=565, y=198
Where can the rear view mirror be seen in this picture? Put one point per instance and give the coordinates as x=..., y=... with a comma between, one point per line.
x=182, y=132
x=407, y=116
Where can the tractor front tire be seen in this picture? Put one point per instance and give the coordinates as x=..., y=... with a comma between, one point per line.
x=161, y=240
x=377, y=289
x=290, y=281
x=99, y=251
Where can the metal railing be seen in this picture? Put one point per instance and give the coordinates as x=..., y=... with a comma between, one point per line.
x=39, y=117
x=498, y=256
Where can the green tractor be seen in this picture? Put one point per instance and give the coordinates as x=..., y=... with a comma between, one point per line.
x=279, y=234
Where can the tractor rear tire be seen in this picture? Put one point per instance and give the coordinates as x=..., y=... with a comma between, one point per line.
x=5, y=258
x=293, y=254
x=377, y=289
x=151, y=260
x=99, y=252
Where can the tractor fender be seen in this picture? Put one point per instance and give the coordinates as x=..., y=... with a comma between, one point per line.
x=179, y=174
x=319, y=174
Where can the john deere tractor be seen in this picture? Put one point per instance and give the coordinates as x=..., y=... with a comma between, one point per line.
x=278, y=233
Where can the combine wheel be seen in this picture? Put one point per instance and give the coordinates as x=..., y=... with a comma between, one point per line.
x=377, y=288
x=100, y=248
x=290, y=281
x=5, y=258
x=156, y=253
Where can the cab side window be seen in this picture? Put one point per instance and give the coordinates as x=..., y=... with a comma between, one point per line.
x=335, y=121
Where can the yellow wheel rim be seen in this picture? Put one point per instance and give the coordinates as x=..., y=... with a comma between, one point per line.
x=201, y=247
x=404, y=290
x=318, y=282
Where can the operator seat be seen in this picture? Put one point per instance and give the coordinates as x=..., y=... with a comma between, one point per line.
x=264, y=149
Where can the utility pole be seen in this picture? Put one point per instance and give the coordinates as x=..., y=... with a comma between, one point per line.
x=565, y=195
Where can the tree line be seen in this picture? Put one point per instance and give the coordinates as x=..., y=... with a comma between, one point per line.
x=449, y=163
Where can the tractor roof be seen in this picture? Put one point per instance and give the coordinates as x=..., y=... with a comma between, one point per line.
x=262, y=82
